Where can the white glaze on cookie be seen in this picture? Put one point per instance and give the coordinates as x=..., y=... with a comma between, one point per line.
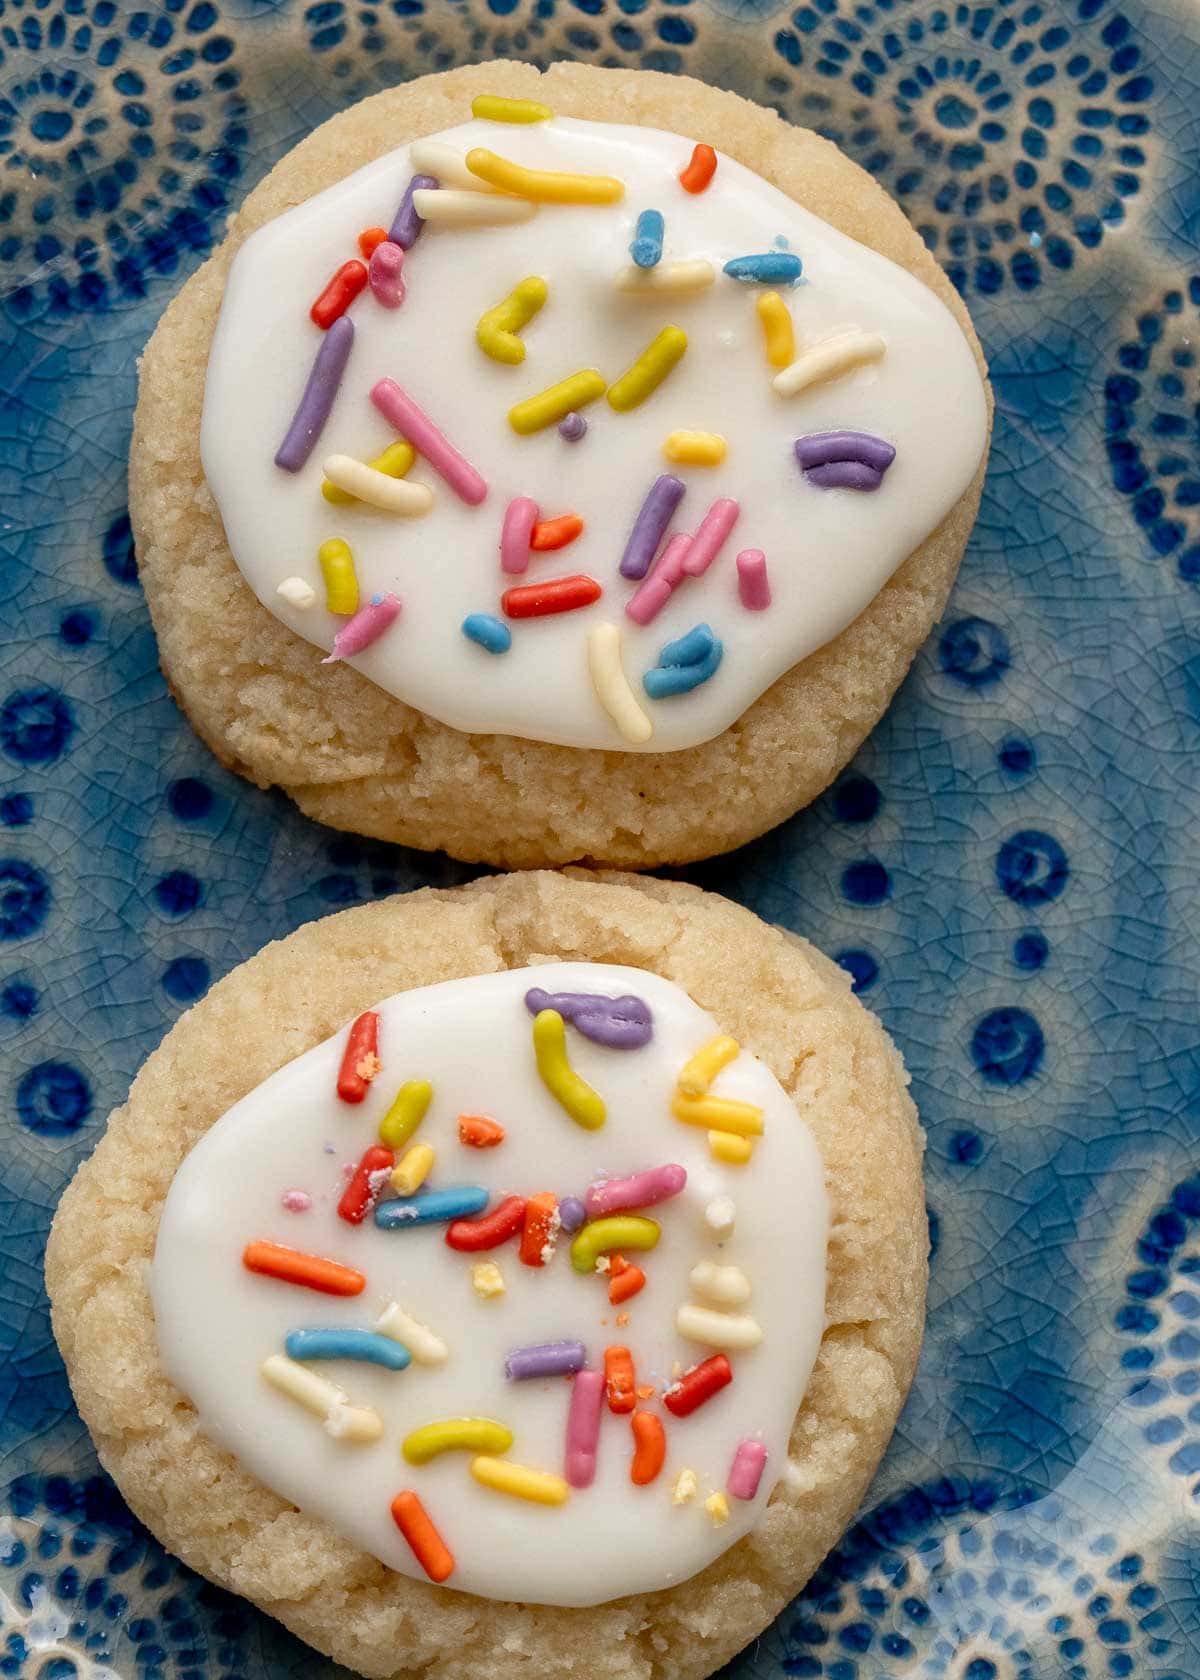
x=828, y=551
x=472, y=1038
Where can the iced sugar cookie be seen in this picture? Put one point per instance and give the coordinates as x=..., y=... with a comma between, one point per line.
x=576, y=463
x=549, y=1243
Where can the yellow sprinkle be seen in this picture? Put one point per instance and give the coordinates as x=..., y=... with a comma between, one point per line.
x=829, y=359
x=395, y=461
x=618, y=1231
x=695, y=449
x=717, y=1507
x=409, y=1174
x=612, y=685
x=718, y=1113
x=406, y=1113
x=496, y=332
x=324, y=1399
x=491, y=108
x=363, y=484
x=585, y=1106
x=684, y=1487
x=487, y=1280
x=643, y=377
x=735, y=1151
x=693, y=275
x=476, y=1434
x=718, y=1329
x=548, y=407
x=341, y=580
x=543, y=186
x=698, y=1073
x=779, y=336
x=538, y=1486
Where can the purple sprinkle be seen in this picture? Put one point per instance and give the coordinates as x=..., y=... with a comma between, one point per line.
x=571, y=1214
x=546, y=1359
x=663, y=497
x=572, y=427
x=818, y=449
x=623, y=1023
x=406, y=226
x=845, y=475
x=329, y=365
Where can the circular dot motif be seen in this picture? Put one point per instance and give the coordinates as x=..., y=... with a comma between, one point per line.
x=53, y=1099
x=116, y=551
x=1007, y=1046
x=24, y=898
x=178, y=893
x=1017, y=756
x=973, y=652
x=19, y=1000
x=866, y=882
x=189, y=799
x=861, y=966
x=77, y=628
x=185, y=979
x=36, y=726
x=856, y=799
x=1031, y=868
x=16, y=809
x=1030, y=951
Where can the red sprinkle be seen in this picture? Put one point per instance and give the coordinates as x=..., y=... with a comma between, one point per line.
x=698, y=1385
x=472, y=1236
x=340, y=293
x=700, y=170
x=360, y=1059
x=618, y=1379
x=361, y=1192
x=554, y=595
x=368, y=239
x=479, y=1131
x=555, y=533
x=540, y=1228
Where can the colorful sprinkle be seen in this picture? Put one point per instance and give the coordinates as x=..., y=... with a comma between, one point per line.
x=644, y=1189
x=729, y=1148
x=766, y=268
x=647, y=372
x=406, y=1112
x=516, y=530
x=425, y=1347
x=296, y=1201
x=298, y=593
x=695, y=449
x=471, y=209
x=685, y=1487
x=571, y=1214
x=830, y=359
x=472, y=1236
x=649, y=1448
x=360, y=1059
x=651, y=596
x=779, y=336
x=719, y=1113
x=699, y=1071
x=395, y=461
x=619, y=1383
x=487, y=1280
x=538, y=1486
x=398, y=408
x=699, y=171
x=543, y=186
x=431, y=1207
x=551, y=595
x=367, y=625
x=726, y=1286
x=572, y=427
x=364, y=1345
x=408, y=222
x=697, y=1386
x=719, y=1216
x=676, y=278
x=487, y=632
x=479, y=1131
x=539, y=1229
x=818, y=452
x=745, y=1473
x=386, y=274
x=496, y=332
x=369, y=240
x=548, y=407
x=601, y=1236
x=583, y=1428
x=360, y=1425
x=550, y=534
x=546, y=1359
x=366, y=1181
x=424, y=1541
x=647, y=246
x=717, y=1507
x=341, y=581
x=308, y=422
x=469, y=1434
x=410, y=1173
x=718, y=1329
x=655, y=514
x=754, y=588
x=308, y=1271
x=448, y=167
x=626, y=1285
x=490, y=107
x=612, y=685
x=684, y=664
x=339, y=294
x=622, y=1023
x=706, y=544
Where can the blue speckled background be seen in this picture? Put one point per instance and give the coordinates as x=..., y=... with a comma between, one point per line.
x=1008, y=869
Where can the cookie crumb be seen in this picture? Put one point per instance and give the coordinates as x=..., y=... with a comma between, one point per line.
x=684, y=1487
x=717, y=1507
x=487, y=1280
x=719, y=1216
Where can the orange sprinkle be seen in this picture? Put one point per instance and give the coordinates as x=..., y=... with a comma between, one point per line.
x=310, y=1271
x=618, y=1379
x=479, y=1131
x=540, y=1230
x=555, y=533
x=649, y=1447
x=368, y=239
x=626, y=1285
x=427, y=1545
x=617, y=1264
x=700, y=170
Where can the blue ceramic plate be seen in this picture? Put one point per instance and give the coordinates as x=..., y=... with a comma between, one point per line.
x=1008, y=869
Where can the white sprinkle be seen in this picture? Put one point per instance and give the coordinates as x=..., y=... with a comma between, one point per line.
x=727, y=1286
x=425, y=1347
x=434, y=157
x=718, y=1329
x=691, y=276
x=829, y=359
x=469, y=209
x=719, y=1216
x=297, y=593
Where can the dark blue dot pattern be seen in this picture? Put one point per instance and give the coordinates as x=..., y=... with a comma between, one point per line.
x=1007, y=1046
x=19, y=1000
x=1030, y=951
x=861, y=966
x=36, y=726
x=117, y=551
x=856, y=799
x=1031, y=868
x=1017, y=756
x=24, y=898
x=189, y=799
x=186, y=978
x=178, y=893
x=77, y=628
x=16, y=810
x=974, y=652
x=54, y=1099
x=866, y=882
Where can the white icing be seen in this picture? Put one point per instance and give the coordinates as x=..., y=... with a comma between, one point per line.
x=828, y=551
x=472, y=1039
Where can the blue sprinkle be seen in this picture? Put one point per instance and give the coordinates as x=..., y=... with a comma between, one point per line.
x=689, y=649
x=377, y=600
x=646, y=249
x=768, y=268
x=487, y=632
x=430, y=1207
x=347, y=1344
x=685, y=664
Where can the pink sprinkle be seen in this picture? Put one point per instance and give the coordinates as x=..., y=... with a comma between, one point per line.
x=745, y=1473
x=649, y=599
x=296, y=1201
x=710, y=534
x=386, y=274
x=583, y=1427
x=413, y=423
x=753, y=586
x=643, y=1189
x=520, y=516
x=367, y=625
